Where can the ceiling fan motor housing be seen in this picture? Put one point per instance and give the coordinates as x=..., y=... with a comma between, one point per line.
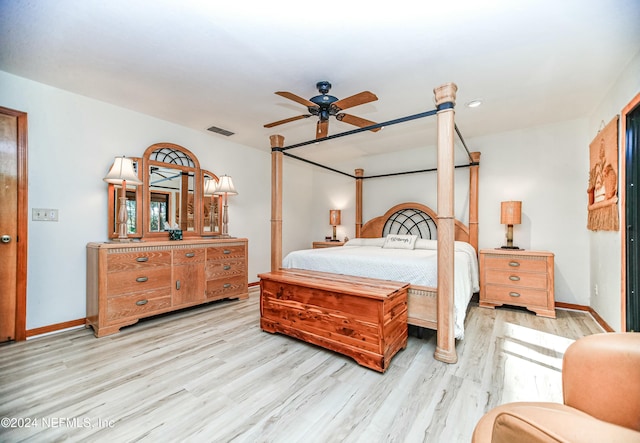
x=323, y=102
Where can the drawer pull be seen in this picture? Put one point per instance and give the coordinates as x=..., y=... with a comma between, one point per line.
x=226, y=285
x=178, y=285
x=514, y=278
x=514, y=294
x=190, y=254
x=142, y=279
x=142, y=302
x=226, y=251
x=226, y=267
x=142, y=259
x=514, y=264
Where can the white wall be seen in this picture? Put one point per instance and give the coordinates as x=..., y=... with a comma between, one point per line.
x=72, y=143
x=545, y=167
x=605, y=247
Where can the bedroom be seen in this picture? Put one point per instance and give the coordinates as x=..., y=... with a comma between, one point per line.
x=79, y=136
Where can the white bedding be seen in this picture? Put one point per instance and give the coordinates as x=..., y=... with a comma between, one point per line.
x=419, y=266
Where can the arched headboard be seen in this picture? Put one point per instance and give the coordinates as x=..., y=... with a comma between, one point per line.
x=410, y=218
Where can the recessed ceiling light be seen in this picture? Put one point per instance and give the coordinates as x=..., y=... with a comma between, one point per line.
x=474, y=103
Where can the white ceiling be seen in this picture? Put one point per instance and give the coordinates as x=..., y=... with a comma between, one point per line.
x=204, y=63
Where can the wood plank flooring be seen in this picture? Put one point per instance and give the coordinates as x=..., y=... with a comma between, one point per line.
x=211, y=374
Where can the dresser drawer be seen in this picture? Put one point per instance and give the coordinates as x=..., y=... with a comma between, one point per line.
x=516, y=296
x=186, y=256
x=516, y=279
x=138, y=305
x=226, y=287
x=127, y=261
x=145, y=279
x=224, y=269
x=529, y=264
x=226, y=252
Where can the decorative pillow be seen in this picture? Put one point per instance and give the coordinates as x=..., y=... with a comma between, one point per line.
x=396, y=241
x=365, y=242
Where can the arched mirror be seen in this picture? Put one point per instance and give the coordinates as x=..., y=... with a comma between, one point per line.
x=173, y=185
x=175, y=194
x=133, y=205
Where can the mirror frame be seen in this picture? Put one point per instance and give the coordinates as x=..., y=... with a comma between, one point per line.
x=143, y=196
x=218, y=199
x=112, y=199
x=148, y=162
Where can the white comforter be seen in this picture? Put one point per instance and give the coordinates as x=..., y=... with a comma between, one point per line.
x=367, y=258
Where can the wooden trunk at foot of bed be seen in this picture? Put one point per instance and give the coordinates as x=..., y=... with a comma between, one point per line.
x=363, y=318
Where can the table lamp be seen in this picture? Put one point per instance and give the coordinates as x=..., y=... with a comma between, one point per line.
x=510, y=214
x=334, y=220
x=121, y=173
x=225, y=188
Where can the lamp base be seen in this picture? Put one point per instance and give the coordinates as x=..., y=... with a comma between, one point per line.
x=121, y=240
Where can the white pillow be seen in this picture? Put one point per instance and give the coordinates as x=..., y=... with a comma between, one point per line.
x=365, y=242
x=425, y=243
x=395, y=241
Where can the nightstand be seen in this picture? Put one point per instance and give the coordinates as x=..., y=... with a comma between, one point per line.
x=327, y=244
x=519, y=278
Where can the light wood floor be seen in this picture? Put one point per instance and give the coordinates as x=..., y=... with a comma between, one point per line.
x=211, y=374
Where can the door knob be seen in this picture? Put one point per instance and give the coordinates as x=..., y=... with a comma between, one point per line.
x=5, y=238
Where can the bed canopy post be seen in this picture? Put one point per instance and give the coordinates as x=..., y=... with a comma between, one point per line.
x=359, y=174
x=445, y=344
x=277, y=142
x=473, y=200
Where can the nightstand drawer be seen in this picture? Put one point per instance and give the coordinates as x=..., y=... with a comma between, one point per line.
x=516, y=296
x=529, y=264
x=516, y=279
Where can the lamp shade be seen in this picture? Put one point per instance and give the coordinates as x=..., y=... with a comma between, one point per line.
x=511, y=213
x=210, y=186
x=334, y=217
x=225, y=186
x=121, y=170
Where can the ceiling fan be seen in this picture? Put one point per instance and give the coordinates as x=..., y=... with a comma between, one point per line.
x=326, y=105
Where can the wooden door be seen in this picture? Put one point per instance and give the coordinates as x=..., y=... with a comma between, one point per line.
x=13, y=224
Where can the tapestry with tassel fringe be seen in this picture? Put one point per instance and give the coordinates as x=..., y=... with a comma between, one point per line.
x=603, y=179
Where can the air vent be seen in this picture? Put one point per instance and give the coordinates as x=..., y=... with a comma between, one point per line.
x=220, y=131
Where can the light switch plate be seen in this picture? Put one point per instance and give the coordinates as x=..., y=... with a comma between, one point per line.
x=43, y=214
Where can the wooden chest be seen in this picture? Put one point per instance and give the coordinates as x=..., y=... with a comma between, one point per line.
x=363, y=318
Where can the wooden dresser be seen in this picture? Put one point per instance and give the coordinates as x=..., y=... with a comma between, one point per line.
x=519, y=278
x=129, y=281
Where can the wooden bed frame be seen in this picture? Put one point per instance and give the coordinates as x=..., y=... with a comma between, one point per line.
x=421, y=300
x=425, y=301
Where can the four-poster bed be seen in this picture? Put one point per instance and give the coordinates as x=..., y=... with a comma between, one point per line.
x=429, y=307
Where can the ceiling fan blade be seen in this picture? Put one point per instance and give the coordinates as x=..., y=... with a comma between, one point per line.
x=355, y=100
x=322, y=129
x=296, y=98
x=356, y=121
x=286, y=120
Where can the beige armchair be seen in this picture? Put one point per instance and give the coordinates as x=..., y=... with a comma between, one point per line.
x=601, y=392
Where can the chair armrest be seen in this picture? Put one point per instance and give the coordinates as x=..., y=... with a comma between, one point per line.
x=601, y=376
x=552, y=423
